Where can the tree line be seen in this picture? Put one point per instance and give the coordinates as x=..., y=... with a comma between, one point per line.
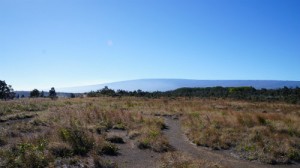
x=7, y=92
x=37, y=93
x=290, y=95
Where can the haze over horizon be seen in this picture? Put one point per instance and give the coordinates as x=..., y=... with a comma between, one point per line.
x=65, y=43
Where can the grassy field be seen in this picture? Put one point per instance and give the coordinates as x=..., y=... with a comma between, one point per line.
x=43, y=132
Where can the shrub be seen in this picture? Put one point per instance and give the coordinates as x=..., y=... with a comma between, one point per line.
x=2, y=141
x=144, y=143
x=245, y=120
x=60, y=149
x=100, y=163
x=108, y=149
x=115, y=139
x=103, y=127
x=119, y=126
x=27, y=155
x=80, y=141
x=294, y=155
x=261, y=120
x=162, y=145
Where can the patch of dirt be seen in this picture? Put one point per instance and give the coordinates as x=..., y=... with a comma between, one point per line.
x=130, y=156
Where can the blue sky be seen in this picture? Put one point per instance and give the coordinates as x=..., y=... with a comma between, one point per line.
x=45, y=43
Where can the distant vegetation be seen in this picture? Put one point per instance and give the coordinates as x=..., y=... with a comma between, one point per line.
x=35, y=93
x=52, y=93
x=39, y=132
x=6, y=91
x=289, y=95
x=285, y=94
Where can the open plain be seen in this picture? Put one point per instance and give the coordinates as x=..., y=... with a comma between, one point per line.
x=148, y=132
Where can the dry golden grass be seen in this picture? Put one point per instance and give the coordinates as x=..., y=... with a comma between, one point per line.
x=71, y=128
x=269, y=132
x=181, y=160
x=76, y=128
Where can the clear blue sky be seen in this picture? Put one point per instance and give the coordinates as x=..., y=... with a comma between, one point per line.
x=60, y=43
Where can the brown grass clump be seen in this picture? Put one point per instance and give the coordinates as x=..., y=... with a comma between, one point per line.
x=101, y=163
x=108, y=149
x=80, y=141
x=60, y=149
x=152, y=137
x=180, y=160
x=3, y=140
x=257, y=131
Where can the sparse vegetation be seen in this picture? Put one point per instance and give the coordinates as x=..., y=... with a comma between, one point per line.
x=289, y=95
x=71, y=131
x=256, y=131
x=80, y=141
x=26, y=154
x=180, y=160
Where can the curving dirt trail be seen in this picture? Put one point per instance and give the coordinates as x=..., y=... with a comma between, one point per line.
x=180, y=142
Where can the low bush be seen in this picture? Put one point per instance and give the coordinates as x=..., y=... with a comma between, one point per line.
x=3, y=140
x=108, y=149
x=115, y=139
x=80, y=141
x=60, y=149
x=144, y=143
x=100, y=163
x=27, y=155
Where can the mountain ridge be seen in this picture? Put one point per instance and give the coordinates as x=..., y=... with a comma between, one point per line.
x=172, y=84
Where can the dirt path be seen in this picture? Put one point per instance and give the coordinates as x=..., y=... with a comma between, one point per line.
x=181, y=143
x=130, y=156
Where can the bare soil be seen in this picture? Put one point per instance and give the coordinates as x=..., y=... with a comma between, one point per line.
x=130, y=156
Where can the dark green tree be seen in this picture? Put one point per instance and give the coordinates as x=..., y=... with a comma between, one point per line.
x=52, y=93
x=42, y=94
x=107, y=91
x=72, y=95
x=35, y=93
x=6, y=91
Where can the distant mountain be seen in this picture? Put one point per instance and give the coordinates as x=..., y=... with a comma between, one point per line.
x=171, y=84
